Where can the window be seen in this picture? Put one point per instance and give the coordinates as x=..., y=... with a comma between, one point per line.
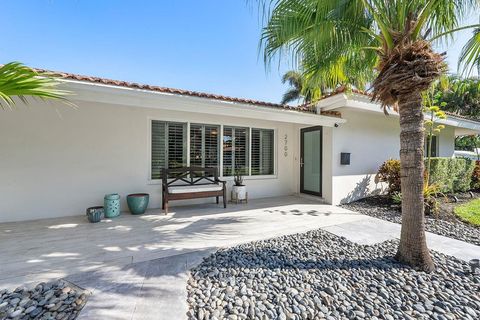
x=177, y=144
x=262, y=151
x=434, y=146
x=235, y=150
x=169, y=150
x=204, y=145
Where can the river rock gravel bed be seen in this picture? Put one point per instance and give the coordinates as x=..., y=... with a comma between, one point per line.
x=317, y=275
x=445, y=224
x=56, y=300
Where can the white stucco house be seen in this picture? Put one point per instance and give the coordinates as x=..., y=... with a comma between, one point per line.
x=56, y=160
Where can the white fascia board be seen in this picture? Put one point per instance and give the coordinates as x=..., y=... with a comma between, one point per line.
x=463, y=126
x=93, y=92
x=363, y=103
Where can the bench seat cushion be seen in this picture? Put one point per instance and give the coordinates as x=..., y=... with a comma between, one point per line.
x=194, y=188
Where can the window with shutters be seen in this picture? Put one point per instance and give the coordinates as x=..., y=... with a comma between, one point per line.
x=262, y=152
x=169, y=146
x=204, y=145
x=173, y=146
x=235, y=150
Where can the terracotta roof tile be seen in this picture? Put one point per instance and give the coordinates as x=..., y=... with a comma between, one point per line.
x=134, y=85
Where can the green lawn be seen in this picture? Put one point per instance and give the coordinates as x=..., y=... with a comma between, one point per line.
x=469, y=212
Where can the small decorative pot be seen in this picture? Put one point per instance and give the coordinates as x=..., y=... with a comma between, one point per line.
x=94, y=214
x=240, y=192
x=138, y=202
x=111, y=204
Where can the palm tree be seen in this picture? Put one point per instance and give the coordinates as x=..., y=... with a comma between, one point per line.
x=389, y=44
x=17, y=80
x=295, y=80
x=300, y=88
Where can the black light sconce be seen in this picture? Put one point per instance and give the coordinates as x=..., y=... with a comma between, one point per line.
x=345, y=158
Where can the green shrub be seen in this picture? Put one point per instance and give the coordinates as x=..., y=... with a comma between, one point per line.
x=476, y=176
x=389, y=172
x=451, y=174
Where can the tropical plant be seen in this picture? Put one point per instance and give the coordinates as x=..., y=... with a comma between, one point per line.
x=389, y=172
x=475, y=184
x=299, y=88
x=343, y=41
x=458, y=95
x=238, y=179
x=434, y=114
x=431, y=193
x=20, y=81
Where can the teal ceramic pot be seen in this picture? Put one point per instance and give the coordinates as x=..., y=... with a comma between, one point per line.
x=111, y=205
x=138, y=202
x=94, y=214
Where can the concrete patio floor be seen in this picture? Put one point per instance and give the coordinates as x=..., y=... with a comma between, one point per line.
x=137, y=266
x=40, y=250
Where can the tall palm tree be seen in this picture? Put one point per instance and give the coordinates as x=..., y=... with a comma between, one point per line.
x=389, y=44
x=300, y=88
x=19, y=81
x=294, y=93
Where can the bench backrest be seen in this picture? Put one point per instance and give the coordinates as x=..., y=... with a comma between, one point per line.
x=190, y=176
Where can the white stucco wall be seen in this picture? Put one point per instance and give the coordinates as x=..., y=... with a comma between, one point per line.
x=59, y=163
x=371, y=138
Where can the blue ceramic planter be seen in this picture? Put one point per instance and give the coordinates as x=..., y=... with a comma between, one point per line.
x=111, y=204
x=138, y=202
x=94, y=214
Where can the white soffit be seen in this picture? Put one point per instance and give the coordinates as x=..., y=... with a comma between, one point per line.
x=360, y=102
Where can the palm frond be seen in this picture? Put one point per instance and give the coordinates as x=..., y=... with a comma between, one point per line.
x=470, y=54
x=20, y=81
x=290, y=96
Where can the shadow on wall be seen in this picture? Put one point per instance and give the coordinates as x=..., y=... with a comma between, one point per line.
x=364, y=188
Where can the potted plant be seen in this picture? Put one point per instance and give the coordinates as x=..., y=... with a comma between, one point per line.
x=138, y=202
x=239, y=191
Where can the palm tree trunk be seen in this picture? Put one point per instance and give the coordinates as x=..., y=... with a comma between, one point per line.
x=413, y=245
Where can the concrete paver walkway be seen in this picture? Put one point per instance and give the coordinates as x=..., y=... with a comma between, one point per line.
x=137, y=267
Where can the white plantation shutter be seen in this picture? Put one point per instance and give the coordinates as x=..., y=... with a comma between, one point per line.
x=168, y=146
x=235, y=150
x=204, y=145
x=262, y=152
x=159, y=157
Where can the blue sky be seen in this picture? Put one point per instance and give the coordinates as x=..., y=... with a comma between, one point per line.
x=207, y=45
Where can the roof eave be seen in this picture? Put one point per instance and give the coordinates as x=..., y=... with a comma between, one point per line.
x=133, y=97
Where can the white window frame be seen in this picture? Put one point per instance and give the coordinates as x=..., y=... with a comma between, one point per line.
x=220, y=167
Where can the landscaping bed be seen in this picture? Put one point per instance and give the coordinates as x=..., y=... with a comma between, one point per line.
x=445, y=223
x=54, y=300
x=318, y=275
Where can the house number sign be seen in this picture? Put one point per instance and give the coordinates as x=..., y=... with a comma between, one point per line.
x=285, y=145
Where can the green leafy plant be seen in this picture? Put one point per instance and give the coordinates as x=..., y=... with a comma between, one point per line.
x=430, y=199
x=396, y=197
x=475, y=184
x=389, y=172
x=18, y=80
x=238, y=178
x=452, y=174
x=431, y=126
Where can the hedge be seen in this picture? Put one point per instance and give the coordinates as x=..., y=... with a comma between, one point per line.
x=451, y=174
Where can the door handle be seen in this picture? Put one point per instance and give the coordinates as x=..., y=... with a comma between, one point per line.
x=301, y=162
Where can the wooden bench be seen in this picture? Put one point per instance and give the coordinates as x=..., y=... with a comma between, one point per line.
x=191, y=183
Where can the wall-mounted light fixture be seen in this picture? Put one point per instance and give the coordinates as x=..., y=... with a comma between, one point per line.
x=345, y=158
